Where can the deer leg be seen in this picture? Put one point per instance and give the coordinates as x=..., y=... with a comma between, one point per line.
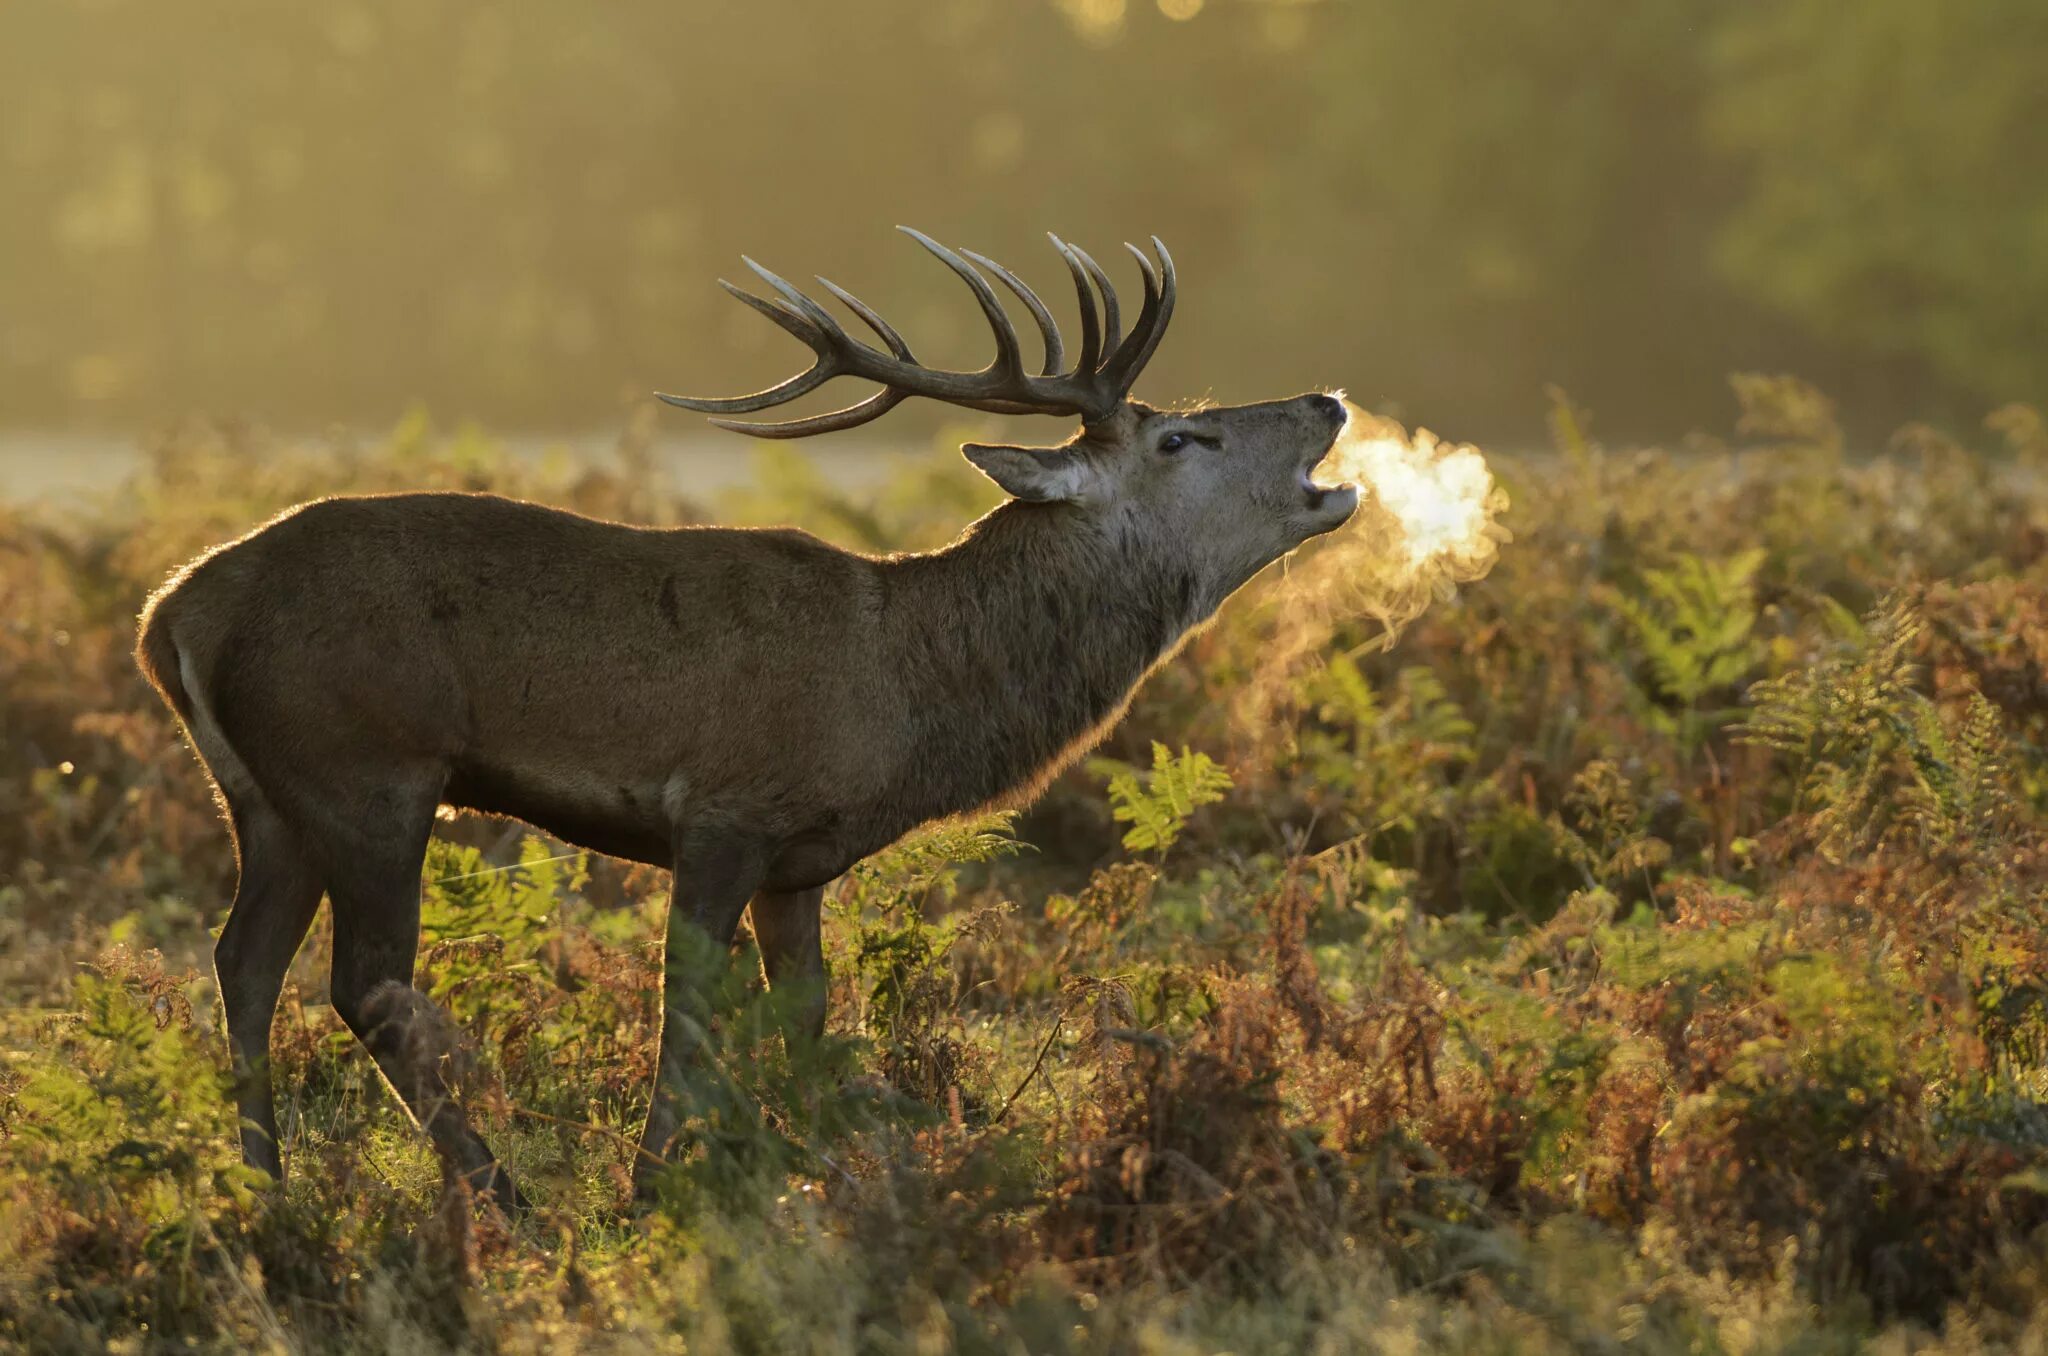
x=276, y=896
x=375, y=891
x=787, y=926
x=715, y=875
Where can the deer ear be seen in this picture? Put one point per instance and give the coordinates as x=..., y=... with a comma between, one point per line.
x=1039, y=474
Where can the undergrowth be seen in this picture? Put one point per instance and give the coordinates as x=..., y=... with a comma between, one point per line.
x=1649, y=953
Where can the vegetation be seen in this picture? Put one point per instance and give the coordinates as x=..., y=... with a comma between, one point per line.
x=1649, y=951
x=321, y=211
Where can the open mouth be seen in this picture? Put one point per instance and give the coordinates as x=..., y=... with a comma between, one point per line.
x=1316, y=494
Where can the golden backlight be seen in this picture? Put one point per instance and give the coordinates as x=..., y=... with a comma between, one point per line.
x=1428, y=519
x=1441, y=497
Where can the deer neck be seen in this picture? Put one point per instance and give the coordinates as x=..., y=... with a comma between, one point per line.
x=1022, y=641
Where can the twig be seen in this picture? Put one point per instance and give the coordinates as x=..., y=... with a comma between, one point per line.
x=1036, y=1065
x=500, y=870
x=826, y=1159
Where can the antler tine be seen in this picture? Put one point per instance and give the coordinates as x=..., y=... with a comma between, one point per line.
x=831, y=342
x=803, y=383
x=853, y=416
x=823, y=370
x=1122, y=369
x=811, y=310
x=1111, y=322
x=1168, y=292
x=874, y=407
x=1009, y=353
x=873, y=320
x=1055, y=348
x=787, y=317
x=1091, y=335
x=1112, y=366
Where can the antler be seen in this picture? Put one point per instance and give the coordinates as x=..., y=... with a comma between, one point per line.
x=1092, y=388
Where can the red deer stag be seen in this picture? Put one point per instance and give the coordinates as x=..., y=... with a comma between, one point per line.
x=755, y=710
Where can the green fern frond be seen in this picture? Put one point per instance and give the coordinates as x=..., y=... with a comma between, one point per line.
x=1873, y=752
x=1158, y=804
x=1696, y=625
x=1433, y=716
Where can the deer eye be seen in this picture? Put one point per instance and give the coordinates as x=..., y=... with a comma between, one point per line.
x=1174, y=442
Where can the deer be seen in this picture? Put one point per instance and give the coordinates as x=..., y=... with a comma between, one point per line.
x=754, y=710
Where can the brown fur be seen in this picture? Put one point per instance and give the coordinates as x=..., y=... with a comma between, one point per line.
x=755, y=709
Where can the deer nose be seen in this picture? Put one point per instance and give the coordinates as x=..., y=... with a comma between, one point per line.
x=1329, y=407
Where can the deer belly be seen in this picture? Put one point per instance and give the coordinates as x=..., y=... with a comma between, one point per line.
x=808, y=860
x=619, y=819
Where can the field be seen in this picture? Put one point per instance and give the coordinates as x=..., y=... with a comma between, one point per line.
x=1647, y=951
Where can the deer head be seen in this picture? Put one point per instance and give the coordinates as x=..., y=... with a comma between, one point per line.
x=1225, y=489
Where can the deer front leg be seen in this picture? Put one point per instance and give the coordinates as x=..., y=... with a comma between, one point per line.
x=715, y=875
x=786, y=924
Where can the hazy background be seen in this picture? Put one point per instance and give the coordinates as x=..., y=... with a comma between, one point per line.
x=306, y=214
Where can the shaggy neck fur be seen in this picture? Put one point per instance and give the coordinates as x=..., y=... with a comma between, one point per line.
x=1022, y=641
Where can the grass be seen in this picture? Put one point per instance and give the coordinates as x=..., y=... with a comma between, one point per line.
x=1645, y=953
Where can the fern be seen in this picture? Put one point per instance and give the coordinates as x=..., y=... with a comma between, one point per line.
x=1609, y=843
x=901, y=961
x=485, y=924
x=1965, y=779
x=466, y=897
x=1696, y=628
x=1872, y=755
x=1343, y=694
x=926, y=859
x=122, y=1106
x=1843, y=722
x=1379, y=763
x=1434, y=720
x=763, y=1099
x=1158, y=804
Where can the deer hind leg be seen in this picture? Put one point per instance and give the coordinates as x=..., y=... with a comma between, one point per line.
x=275, y=899
x=715, y=875
x=787, y=926
x=277, y=893
x=374, y=886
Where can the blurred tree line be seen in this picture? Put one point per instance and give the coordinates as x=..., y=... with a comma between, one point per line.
x=310, y=212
